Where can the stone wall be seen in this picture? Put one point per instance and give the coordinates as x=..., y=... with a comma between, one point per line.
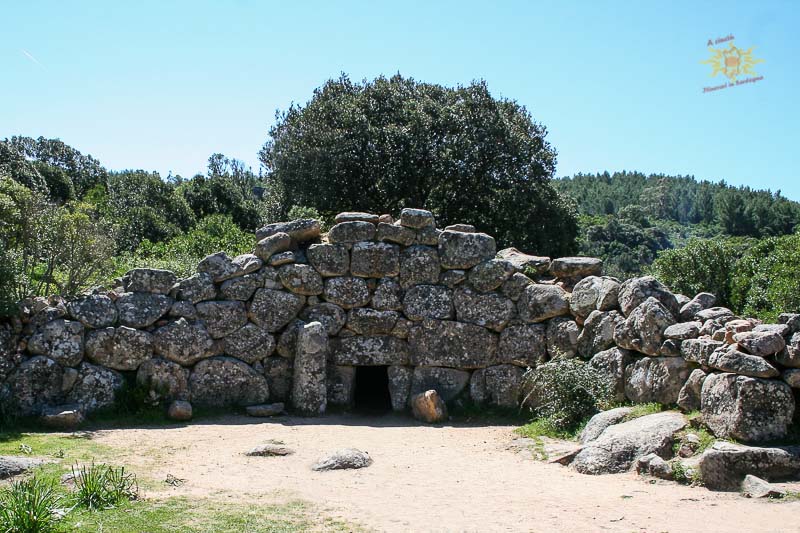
x=443, y=309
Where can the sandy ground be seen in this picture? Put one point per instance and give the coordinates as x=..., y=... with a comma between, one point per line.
x=451, y=478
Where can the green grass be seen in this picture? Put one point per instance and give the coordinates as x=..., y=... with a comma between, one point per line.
x=643, y=409
x=69, y=447
x=543, y=427
x=706, y=439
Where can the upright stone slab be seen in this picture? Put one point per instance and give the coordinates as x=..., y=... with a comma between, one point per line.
x=309, y=390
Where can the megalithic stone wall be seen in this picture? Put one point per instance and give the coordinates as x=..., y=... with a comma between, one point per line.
x=443, y=309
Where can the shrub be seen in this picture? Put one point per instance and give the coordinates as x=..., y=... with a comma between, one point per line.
x=564, y=393
x=103, y=486
x=29, y=506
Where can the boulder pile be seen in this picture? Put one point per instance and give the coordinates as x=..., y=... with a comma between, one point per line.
x=443, y=309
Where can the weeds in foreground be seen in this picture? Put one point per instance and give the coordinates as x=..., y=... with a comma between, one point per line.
x=103, y=486
x=29, y=506
x=545, y=427
x=643, y=409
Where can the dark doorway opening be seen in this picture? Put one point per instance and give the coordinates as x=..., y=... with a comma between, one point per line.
x=372, y=390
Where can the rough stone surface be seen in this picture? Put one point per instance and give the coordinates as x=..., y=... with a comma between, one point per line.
x=250, y=343
x=699, y=350
x=219, y=266
x=570, y=267
x=619, y=446
x=419, y=265
x=465, y=250
x=562, y=338
x=301, y=230
x=222, y=317
x=724, y=465
x=309, y=390
x=524, y=345
x=525, y=262
x=702, y=301
x=330, y=260
x=387, y=295
x=273, y=244
x=452, y=344
x=269, y=449
x=180, y=411
x=635, y=291
x=755, y=487
x=503, y=384
x=142, y=309
x=689, y=396
x=347, y=292
x=62, y=418
x=265, y=409
x=344, y=459
x=278, y=372
x=515, y=286
x=644, y=328
x=13, y=465
x=683, y=331
x=119, y=348
x=491, y=310
x=399, y=386
x=655, y=379
x=301, y=279
x=60, y=340
x=273, y=309
x=599, y=422
x=196, y=288
x=375, y=260
x=356, y=216
x=598, y=332
x=612, y=363
x=330, y=315
x=365, y=321
x=376, y=350
x=183, y=342
x=746, y=409
x=428, y=407
x=732, y=360
x=351, y=232
x=416, y=218
x=95, y=388
x=149, y=280
x=760, y=343
x=341, y=385
x=428, y=301
x=449, y=383
x=93, y=310
x=490, y=275
x=540, y=302
x=395, y=234
x=226, y=381
x=163, y=380
x=33, y=385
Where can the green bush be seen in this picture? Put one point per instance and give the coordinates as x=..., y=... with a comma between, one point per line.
x=563, y=393
x=28, y=506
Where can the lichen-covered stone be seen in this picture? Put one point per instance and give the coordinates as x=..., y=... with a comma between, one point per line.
x=451, y=344
x=419, y=265
x=163, y=380
x=60, y=340
x=655, y=379
x=540, y=302
x=242, y=287
x=572, y=267
x=491, y=310
x=745, y=408
x=196, y=288
x=341, y=385
x=465, y=250
x=272, y=309
x=287, y=342
x=329, y=260
x=683, y=331
x=330, y=315
x=449, y=383
x=96, y=388
x=219, y=266
x=562, y=338
x=396, y=234
x=375, y=260
x=525, y=262
x=643, y=330
x=387, y=296
x=429, y=236
x=149, y=280
x=724, y=465
x=503, y=384
x=611, y=364
x=524, y=345
x=273, y=244
x=309, y=389
x=598, y=332
x=250, y=343
x=760, y=343
x=689, y=396
x=732, y=360
x=119, y=348
x=352, y=216
x=278, y=372
x=700, y=302
x=33, y=385
x=226, y=381
x=302, y=230
x=399, y=386
x=633, y=292
x=515, y=286
x=375, y=350
x=351, y=232
x=93, y=310
x=699, y=350
x=142, y=309
x=183, y=342
x=301, y=279
x=428, y=301
x=490, y=275
x=365, y=321
x=416, y=218
x=246, y=264
x=222, y=317
x=347, y=292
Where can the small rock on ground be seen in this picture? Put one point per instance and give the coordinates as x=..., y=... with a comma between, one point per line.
x=11, y=465
x=271, y=448
x=345, y=458
x=755, y=487
x=265, y=409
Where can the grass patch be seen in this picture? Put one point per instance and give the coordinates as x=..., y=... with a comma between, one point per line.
x=544, y=427
x=73, y=447
x=643, y=409
x=706, y=439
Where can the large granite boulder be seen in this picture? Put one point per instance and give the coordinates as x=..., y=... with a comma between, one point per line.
x=330, y=315
x=95, y=388
x=699, y=350
x=525, y=262
x=242, y=288
x=119, y=348
x=141, y=309
x=611, y=364
x=309, y=390
x=395, y=233
x=60, y=340
x=387, y=295
x=301, y=279
x=330, y=260
x=689, y=397
x=683, y=331
x=746, y=409
x=451, y=344
x=449, y=383
x=465, y=250
x=562, y=337
x=351, y=232
x=93, y=310
x=724, y=465
x=416, y=218
x=366, y=321
x=375, y=260
x=226, y=381
x=347, y=292
x=163, y=380
x=732, y=360
x=540, y=302
x=503, y=384
x=273, y=244
x=302, y=230
x=222, y=317
x=399, y=386
x=196, y=288
x=183, y=342
x=250, y=343
x=619, y=446
x=760, y=343
x=598, y=332
x=149, y=280
x=490, y=275
x=219, y=266
x=428, y=301
x=419, y=265
x=656, y=379
x=32, y=386
x=369, y=350
x=599, y=422
x=491, y=310
x=273, y=309
x=643, y=330
x=701, y=302
x=633, y=292
x=524, y=345
x=573, y=267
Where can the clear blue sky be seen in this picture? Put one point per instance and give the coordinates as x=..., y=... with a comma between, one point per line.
x=162, y=85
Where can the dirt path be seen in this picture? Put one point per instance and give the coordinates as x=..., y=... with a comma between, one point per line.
x=429, y=479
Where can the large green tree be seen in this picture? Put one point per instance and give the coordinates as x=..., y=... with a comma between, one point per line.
x=395, y=142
